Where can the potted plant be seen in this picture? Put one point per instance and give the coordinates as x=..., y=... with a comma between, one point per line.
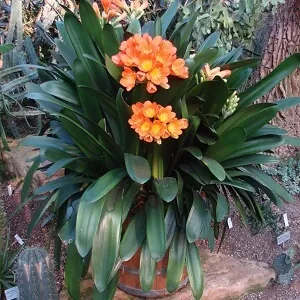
x=155, y=141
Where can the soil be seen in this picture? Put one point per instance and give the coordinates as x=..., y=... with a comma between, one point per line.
x=239, y=241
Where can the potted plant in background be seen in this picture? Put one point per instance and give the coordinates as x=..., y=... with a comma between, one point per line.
x=154, y=140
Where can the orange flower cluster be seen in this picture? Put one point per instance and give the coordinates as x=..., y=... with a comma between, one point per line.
x=154, y=122
x=150, y=61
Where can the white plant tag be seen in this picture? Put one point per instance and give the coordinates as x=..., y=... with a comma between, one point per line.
x=9, y=190
x=229, y=222
x=283, y=238
x=19, y=240
x=12, y=293
x=285, y=220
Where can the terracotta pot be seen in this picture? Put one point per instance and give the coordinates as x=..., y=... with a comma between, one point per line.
x=129, y=281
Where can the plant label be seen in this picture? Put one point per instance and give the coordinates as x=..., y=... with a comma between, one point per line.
x=285, y=220
x=9, y=190
x=229, y=222
x=12, y=293
x=19, y=240
x=283, y=238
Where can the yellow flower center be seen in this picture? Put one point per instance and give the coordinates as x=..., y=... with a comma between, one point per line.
x=145, y=126
x=163, y=117
x=147, y=65
x=155, y=129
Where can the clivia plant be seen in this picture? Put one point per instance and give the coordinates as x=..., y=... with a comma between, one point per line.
x=155, y=141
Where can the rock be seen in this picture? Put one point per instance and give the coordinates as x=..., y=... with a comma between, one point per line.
x=226, y=278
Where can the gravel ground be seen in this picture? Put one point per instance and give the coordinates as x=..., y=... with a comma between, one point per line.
x=239, y=242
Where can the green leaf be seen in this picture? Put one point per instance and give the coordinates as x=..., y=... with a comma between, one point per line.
x=91, y=22
x=61, y=183
x=66, y=51
x=177, y=256
x=112, y=69
x=166, y=188
x=237, y=184
x=270, y=81
x=222, y=208
x=156, y=234
x=73, y=269
x=227, y=144
x=90, y=107
x=6, y=48
x=214, y=167
x=195, y=151
x=168, y=16
x=103, y=185
x=170, y=225
x=194, y=269
x=129, y=197
x=270, y=183
x=215, y=93
x=292, y=141
x=28, y=178
x=250, y=63
x=109, y=292
x=59, y=165
x=67, y=231
x=267, y=130
x=106, y=242
x=204, y=57
x=83, y=44
x=109, y=34
x=238, y=204
x=158, y=27
x=88, y=218
x=134, y=27
x=3, y=136
x=134, y=236
x=258, y=145
x=39, y=213
x=238, y=78
x=199, y=219
x=61, y=90
x=138, y=168
x=287, y=102
x=147, y=268
x=108, y=106
x=250, y=118
x=210, y=41
x=148, y=28
x=254, y=159
x=130, y=137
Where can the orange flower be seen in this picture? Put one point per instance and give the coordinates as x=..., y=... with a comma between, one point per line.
x=141, y=76
x=152, y=59
x=96, y=9
x=150, y=109
x=106, y=5
x=128, y=79
x=210, y=74
x=151, y=88
x=175, y=127
x=165, y=114
x=158, y=75
x=154, y=122
x=179, y=69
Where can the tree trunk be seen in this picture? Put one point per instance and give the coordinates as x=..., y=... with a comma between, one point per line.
x=284, y=40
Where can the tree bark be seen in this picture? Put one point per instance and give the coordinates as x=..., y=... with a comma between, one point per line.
x=284, y=40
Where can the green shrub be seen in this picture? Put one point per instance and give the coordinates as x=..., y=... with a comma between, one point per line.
x=236, y=20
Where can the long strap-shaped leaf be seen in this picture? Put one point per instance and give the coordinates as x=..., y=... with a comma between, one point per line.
x=147, y=268
x=73, y=270
x=103, y=185
x=177, y=256
x=82, y=44
x=107, y=239
x=133, y=236
x=156, y=235
x=194, y=269
x=270, y=81
x=88, y=218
